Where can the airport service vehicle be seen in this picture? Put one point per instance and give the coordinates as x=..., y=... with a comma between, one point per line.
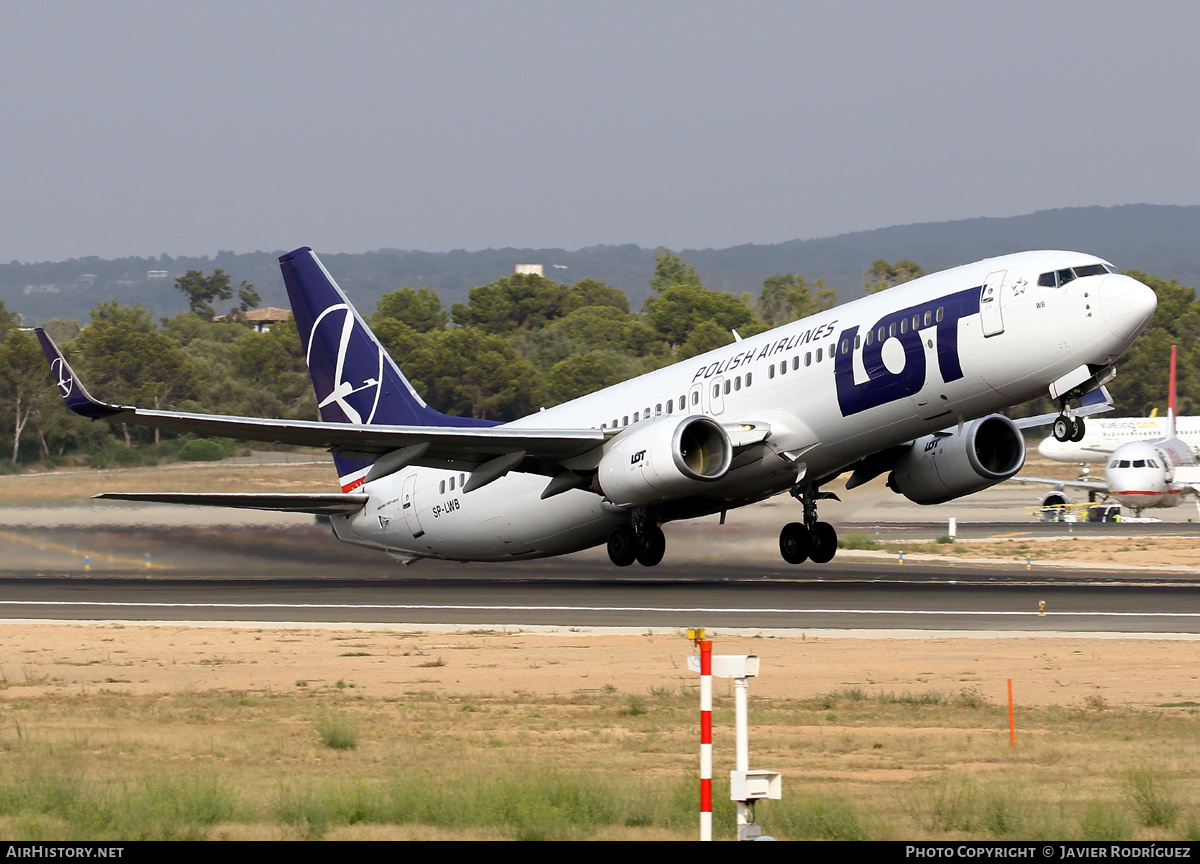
x=907, y=381
x=1141, y=473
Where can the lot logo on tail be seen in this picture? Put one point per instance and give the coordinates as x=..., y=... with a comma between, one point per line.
x=354, y=391
x=908, y=327
x=63, y=376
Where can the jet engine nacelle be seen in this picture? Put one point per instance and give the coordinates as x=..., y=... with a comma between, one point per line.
x=664, y=460
x=1057, y=499
x=941, y=467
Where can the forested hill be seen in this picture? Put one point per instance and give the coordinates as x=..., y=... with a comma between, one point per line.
x=1161, y=240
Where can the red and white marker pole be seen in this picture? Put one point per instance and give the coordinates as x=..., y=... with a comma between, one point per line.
x=706, y=752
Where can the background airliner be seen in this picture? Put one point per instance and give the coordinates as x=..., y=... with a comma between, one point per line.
x=1143, y=473
x=905, y=381
x=1106, y=435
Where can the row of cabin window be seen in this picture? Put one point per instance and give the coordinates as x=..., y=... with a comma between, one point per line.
x=808, y=361
x=881, y=334
x=731, y=385
x=734, y=384
x=462, y=481
x=658, y=410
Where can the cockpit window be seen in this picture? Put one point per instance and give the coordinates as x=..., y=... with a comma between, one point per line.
x=1058, y=278
x=1139, y=463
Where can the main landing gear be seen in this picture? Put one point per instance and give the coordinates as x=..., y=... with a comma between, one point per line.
x=810, y=539
x=643, y=542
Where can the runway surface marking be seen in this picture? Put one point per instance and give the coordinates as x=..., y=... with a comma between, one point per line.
x=689, y=609
x=42, y=546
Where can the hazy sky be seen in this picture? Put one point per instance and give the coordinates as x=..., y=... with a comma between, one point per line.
x=131, y=128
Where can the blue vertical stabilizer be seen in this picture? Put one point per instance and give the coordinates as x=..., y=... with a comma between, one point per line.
x=355, y=380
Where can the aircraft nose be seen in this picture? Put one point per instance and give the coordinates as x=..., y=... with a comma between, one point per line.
x=1126, y=305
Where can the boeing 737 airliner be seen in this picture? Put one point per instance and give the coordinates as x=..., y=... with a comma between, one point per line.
x=907, y=381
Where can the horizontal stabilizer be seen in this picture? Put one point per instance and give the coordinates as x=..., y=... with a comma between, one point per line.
x=319, y=504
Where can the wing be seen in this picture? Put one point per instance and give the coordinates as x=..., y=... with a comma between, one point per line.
x=1090, y=485
x=482, y=449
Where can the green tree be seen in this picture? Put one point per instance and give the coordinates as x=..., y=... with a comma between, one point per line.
x=270, y=372
x=61, y=329
x=582, y=374
x=671, y=271
x=127, y=360
x=589, y=292
x=201, y=291
x=23, y=377
x=706, y=336
x=521, y=301
x=678, y=310
x=788, y=298
x=1143, y=372
x=606, y=328
x=9, y=321
x=247, y=297
x=883, y=275
x=468, y=371
x=421, y=309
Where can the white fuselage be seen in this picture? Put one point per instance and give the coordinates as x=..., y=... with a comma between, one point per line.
x=809, y=383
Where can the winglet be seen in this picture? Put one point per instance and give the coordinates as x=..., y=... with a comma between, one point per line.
x=69, y=385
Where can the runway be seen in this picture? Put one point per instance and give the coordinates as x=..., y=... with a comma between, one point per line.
x=849, y=595
x=727, y=576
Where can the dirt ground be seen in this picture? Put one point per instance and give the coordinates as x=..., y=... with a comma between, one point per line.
x=43, y=659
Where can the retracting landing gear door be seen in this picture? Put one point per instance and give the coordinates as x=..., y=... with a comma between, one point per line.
x=989, y=304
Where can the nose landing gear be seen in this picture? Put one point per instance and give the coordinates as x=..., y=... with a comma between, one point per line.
x=1068, y=428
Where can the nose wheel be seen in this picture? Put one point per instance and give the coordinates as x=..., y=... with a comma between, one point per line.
x=1069, y=428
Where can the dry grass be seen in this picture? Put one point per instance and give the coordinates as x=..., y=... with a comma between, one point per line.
x=858, y=764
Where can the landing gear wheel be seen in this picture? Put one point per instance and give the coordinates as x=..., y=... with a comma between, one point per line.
x=794, y=543
x=1079, y=429
x=622, y=546
x=1063, y=427
x=824, y=543
x=652, y=545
